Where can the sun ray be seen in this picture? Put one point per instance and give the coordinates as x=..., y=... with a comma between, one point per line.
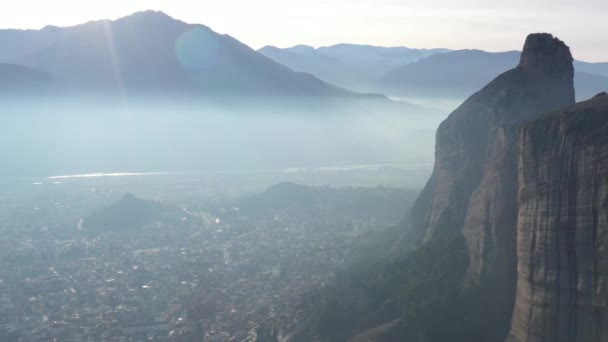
x=116, y=70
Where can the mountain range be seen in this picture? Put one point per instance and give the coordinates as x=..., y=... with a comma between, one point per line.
x=506, y=242
x=349, y=65
x=21, y=80
x=150, y=52
x=419, y=73
x=460, y=73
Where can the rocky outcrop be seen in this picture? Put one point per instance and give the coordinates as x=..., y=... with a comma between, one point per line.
x=546, y=69
x=544, y=53
x=531, y=202
x=465, y=140
x=562, y=231
x=523, y=196
x=473, y=188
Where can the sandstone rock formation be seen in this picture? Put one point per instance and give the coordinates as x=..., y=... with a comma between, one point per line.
x=531, y=202
x=465, y=140
x=562, y=242
x=473, y=188
x=524, y=195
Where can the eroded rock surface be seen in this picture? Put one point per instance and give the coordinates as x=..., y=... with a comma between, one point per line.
x=562, y=287
x=525, y=196
x=473, y=188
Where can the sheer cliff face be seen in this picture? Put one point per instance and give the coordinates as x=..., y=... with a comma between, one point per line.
x=544, y=82
x=473, y=186
x=528, y=191
x=562, y=242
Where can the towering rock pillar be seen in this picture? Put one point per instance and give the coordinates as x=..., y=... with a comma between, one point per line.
x=542, y=81
x=473, y=188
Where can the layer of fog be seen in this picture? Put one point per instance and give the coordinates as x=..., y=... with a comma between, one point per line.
x=63, y=137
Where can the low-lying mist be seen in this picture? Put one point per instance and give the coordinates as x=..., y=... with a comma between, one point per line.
x=54, y=137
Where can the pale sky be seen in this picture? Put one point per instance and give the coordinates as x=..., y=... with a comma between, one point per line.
x=493, y=25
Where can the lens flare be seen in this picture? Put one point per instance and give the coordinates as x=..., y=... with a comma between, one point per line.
x=197, y=49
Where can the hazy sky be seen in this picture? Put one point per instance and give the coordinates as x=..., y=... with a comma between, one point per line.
x=494, y=25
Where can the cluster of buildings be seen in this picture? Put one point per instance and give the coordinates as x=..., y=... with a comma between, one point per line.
x=216, y=279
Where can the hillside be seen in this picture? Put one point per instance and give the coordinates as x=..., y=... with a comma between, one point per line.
x=16, y=79
x=453, y=74
x=411, y=73
x=562, y=247
x=348, y=65
x=131, y=213
x=385, y=205
x=118, y=57
x=460, y=73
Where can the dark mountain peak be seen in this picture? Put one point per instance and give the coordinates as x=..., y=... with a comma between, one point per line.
x=543, y=52
x=129, y=197
x=149, y=14
x=602, y=94
x=269, y=47
x=131, y=212
x=162, y=55
x=147, y=18
x=304, y=49
x=303, y=46
x=52, y=28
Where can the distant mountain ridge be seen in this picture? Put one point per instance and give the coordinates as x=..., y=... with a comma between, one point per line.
x=293, y=200
x=347, y=65
x=119, y=57
x=404, y=72
x=459, y=73
x=456, y=71
x=152, y=52
x=131, y=213
x=15, y=79
x=388, y=57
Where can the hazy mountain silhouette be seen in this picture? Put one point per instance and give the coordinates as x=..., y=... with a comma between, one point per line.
x=347, y=65
x=129, y=213
x=326, y=68
x=402, y=71
x=16, y=79
x=592, y=68
x=293, y=200
x=587, y=84
x=150, y=51
x=18, y=43
x=381, y=57
x=462, y=72
x=455, y=73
